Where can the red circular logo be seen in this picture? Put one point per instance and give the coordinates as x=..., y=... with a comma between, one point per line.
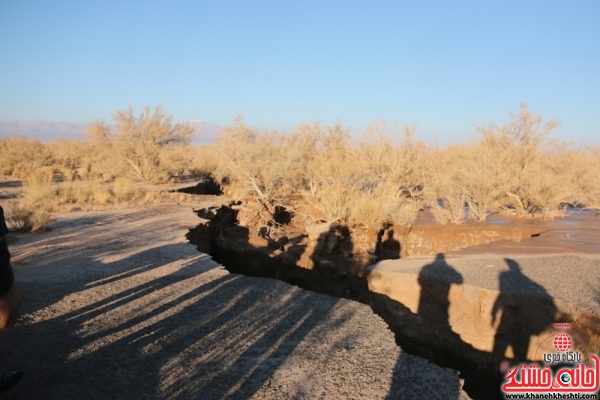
x=562, y=342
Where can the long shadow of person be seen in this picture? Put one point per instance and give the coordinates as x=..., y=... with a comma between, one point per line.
x=388, y=249
x=525, y=309
x=333, y=254
x=435, y=280
x=432, y=319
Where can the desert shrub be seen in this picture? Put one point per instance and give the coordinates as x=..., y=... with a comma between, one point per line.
x=446, y=193
x=138, y=145
x=18, y=218
x=331, y=180
x=256, y=166
x=22, y=156
x=28, y=218
x=590, y=191
x=321, y=176
x=204, y=160
x=314, y=172
x=523, y=145
x=84, y=193
x=579, y=170
x=482, y=175
x=468, y=183
x=38, y=188
x=92, y=192
x=125, y=189
x=393, y=158
x=377, y=208
x=342, y=188
x=175, y=161
x=317, y=172
x=68, y=156
x=32, y=212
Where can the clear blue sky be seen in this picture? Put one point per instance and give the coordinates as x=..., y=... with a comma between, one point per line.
x=443, y=66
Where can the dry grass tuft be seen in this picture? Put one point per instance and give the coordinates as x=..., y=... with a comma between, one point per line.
x=125, y=189
x=32, y=213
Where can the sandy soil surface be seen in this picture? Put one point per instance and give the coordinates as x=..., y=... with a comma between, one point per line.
x=118, y=305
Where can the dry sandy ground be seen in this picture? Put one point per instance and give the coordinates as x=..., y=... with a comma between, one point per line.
x=116, y=305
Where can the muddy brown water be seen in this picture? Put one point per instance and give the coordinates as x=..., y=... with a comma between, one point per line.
x=576, y=232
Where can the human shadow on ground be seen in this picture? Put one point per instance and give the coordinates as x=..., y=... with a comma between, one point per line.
x=38, y=294
x=333, y=263
x=429, y=332
x=524, y=309
x=333, y=266
x=388, y=249
x=140, y=328
x=435, y=280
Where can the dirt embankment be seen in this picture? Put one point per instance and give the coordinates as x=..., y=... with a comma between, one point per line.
x=332, y=260
x=347, y=249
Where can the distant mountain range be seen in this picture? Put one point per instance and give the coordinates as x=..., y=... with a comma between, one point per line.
x=51, y=130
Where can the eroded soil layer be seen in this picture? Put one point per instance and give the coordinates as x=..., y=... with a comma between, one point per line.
x=326, y=259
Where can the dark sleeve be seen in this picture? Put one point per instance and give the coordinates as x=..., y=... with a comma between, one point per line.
x=6, y=273
x=3, y=227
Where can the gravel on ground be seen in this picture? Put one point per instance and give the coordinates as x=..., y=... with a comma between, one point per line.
x=116, y=305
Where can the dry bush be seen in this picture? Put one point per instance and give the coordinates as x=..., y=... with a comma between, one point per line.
x=28, y=218
x=19, y=218
x=331, y=177
x=544, y=190
x=522, y=144
x=204, y=160
x=361, y=185
x=446, y=193
x=92, y=192
x=138, y=145
x=317, y=172
x=147, y=147
x=394, y=159
x=483, y=176
x=68, y=157
x=314, y=172
x=32, y=213
x=256, y=167
x=125, y=189
x=468, y=183
x=319, y=175
x=22, y=156
x=378, y=208
x=38, y=188
x=514, y=168
x=579, y=171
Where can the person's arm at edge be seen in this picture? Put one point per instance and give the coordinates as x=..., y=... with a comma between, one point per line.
x=9, y=296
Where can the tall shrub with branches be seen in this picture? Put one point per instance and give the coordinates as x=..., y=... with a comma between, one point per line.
x=259, y=167
x=523, y=143
x=395, y=159
x=139, y=141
